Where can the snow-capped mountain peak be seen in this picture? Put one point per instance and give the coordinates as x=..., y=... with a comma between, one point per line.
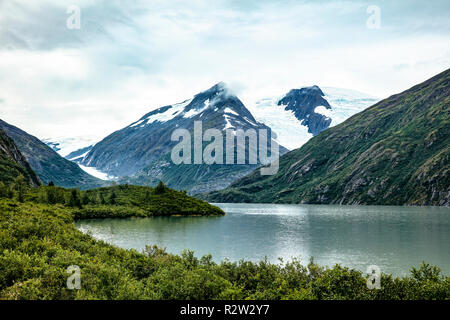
x=214, y=100
x=144, y=141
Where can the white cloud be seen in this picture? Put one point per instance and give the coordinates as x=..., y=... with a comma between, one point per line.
x=129, y=58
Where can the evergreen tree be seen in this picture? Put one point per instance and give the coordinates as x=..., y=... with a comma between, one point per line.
x=3, y=190
x=113, y=198
x=74, y=199
x=160, y=188
x=11, y=192
x=42, y=196
x=21, y=187
x=51, y=195
x=85, y=198
x=51, y=184
x=147, y=196
x=100, y=198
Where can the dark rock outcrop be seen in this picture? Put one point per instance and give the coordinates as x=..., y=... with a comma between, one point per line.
x=303, y=102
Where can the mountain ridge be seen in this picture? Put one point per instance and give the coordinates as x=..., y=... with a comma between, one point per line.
x=48, y=164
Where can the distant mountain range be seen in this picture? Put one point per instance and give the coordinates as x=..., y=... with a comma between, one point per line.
x=393, y=153
x=48, y=164
x=293, y=129
x=139, y=153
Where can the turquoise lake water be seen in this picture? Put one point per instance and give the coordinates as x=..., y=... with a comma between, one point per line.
x=393, y=238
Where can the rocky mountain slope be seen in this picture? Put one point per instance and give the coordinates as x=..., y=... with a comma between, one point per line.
x=140, y=153
x=47, y=164
x=13, y=163
x=394, y=153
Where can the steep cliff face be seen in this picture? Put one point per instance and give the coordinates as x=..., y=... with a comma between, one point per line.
x=393, y=153
x=13, y=163
x=47, y=164
x=303, y=102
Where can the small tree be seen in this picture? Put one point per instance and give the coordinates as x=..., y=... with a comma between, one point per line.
x=42, y=196
x=74, y=199
x=21, y=187
x=51, y=184
x=10, y=191
x=160, y=188
x=3, y=190
x=51, y=195
x=112, y=198
x=85, y=198
x=100, y=198
x=148, y=195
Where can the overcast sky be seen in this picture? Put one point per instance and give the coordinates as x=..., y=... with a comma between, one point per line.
x=130, y=57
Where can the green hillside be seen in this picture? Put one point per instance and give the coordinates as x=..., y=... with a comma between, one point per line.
x=123, y=201
x=393, y=153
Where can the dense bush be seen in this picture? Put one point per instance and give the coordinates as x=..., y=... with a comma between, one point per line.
x=38, y=242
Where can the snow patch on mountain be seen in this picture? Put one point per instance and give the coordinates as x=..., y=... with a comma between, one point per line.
x=80, y=157
x=346, y=103
x=323, y=111
x=137, y=123
x=193, y=112
x=169, y=114
x=97, y=173
x=228, y=124
x=289, y=130
x=65, y=146
x=228, y=110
